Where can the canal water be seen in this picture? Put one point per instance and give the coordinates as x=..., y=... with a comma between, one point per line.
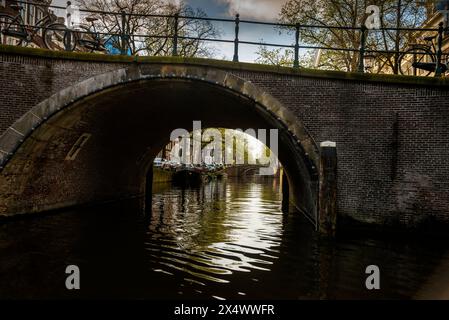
x=224, y=240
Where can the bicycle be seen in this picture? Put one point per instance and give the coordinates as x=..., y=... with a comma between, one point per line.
x=421, y=57
x=85, y=37
x=13, y=31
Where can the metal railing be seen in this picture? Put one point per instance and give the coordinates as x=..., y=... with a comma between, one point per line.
x=362, y=50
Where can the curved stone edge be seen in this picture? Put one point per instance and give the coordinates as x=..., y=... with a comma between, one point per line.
x=215, y=63
x=14, y=136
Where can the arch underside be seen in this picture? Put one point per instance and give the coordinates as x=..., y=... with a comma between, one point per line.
x=128, y=116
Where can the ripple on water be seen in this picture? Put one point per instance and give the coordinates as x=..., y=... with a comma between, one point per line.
x=209, y=240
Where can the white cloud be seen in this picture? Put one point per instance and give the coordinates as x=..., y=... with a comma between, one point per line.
x=255, y=9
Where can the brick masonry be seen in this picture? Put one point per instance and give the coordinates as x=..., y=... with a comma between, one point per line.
x=385, y=175
x=392, y=138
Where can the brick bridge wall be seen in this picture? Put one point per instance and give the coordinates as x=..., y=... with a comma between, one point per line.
x=392, y=136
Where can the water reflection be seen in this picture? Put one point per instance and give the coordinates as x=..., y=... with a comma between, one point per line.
x=211, y=232
x=224, y=240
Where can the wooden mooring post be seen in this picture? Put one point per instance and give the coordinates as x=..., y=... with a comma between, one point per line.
x=327, y=219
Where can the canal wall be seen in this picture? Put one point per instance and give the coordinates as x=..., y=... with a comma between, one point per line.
x=391, y=132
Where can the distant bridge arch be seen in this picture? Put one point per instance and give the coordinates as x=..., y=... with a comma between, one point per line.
x=243, y=170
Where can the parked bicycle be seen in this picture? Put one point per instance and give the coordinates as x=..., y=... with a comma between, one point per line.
x=84, y=37
x=48, y=33
x=45, y=33
x=421, y=57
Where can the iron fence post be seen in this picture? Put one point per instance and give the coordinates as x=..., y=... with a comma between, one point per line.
x=236, y=40
x=68, y=33
x=296, y=62
x=175, y=35
x=439, y=49
x=361, y=67
x=123, y=37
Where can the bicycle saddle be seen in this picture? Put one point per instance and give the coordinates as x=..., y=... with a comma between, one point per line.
x=430, y=38
x=91, y=19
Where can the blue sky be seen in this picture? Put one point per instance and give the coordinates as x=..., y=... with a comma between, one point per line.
x=249, y=9
x=260, y=10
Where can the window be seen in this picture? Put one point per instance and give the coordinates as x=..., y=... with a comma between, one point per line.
x=39, y=16
x=30, y=15
x=24, y=13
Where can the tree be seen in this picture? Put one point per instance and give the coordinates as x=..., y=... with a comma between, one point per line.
x=278, y=57
x=352, y=13
x=189, y=31
x=153, y=35
x=396, y=14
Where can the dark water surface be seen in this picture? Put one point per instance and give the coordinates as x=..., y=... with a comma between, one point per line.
x=225, y=240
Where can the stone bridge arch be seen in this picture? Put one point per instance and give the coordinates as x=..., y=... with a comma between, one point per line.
x=34, y=151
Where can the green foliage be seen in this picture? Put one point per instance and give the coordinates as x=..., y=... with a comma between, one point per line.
x=351, y=13
x=278, y=57
x=153, y=36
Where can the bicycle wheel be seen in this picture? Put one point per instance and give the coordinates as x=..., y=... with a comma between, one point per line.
x=11, y=33
x=86, y=39
x=412, y=56
x=54, y=35
x=71, y=38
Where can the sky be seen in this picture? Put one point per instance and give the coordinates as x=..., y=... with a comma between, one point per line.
x=267, y=10
x=260, y=10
